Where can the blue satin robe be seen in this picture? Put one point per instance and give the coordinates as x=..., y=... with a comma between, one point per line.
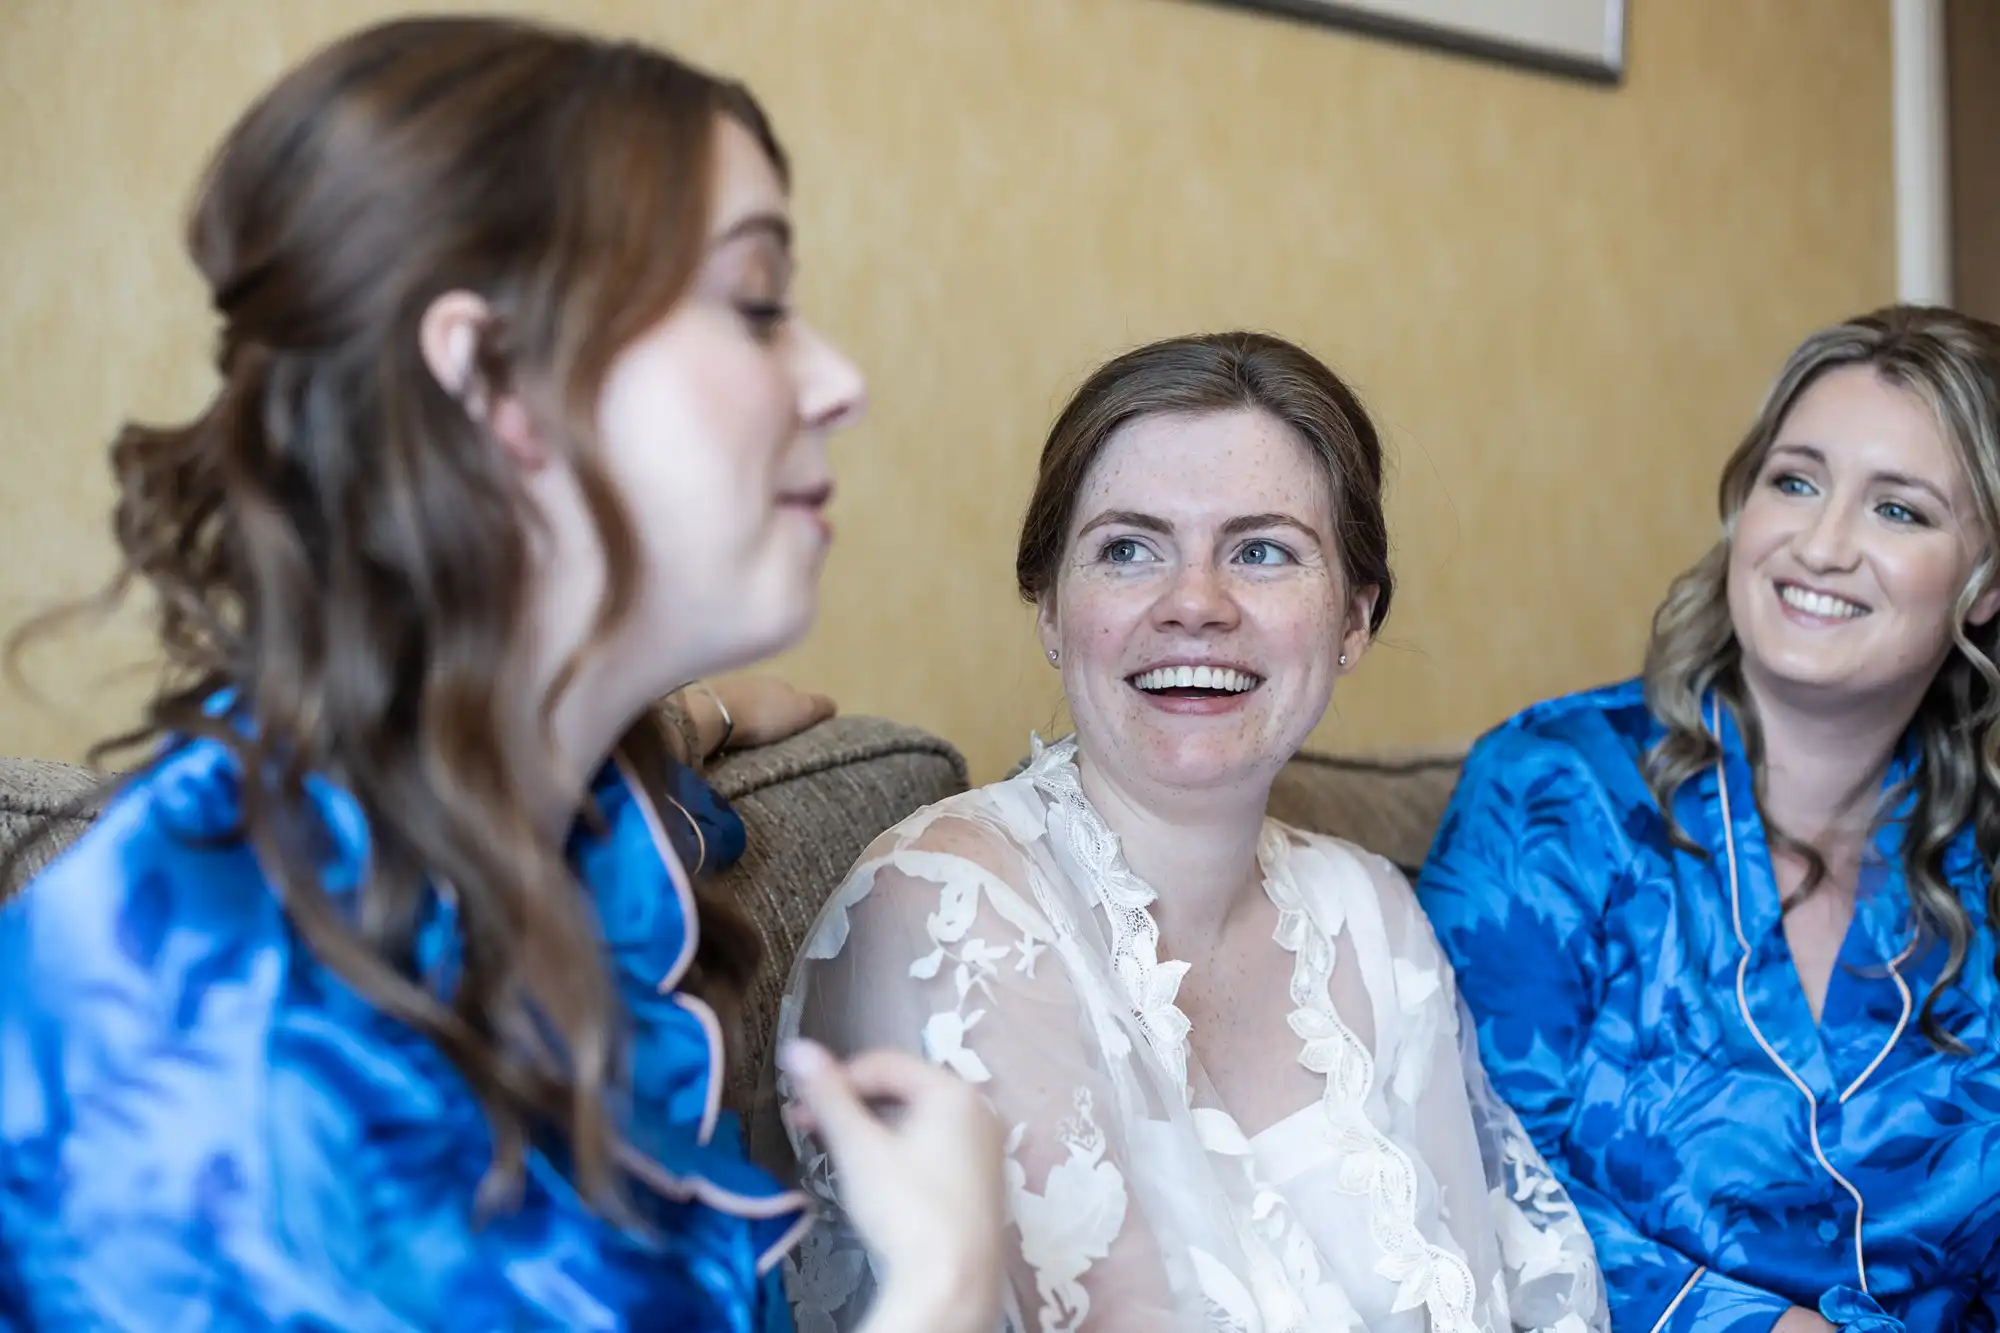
x=1601, y=964
x=203, y=1128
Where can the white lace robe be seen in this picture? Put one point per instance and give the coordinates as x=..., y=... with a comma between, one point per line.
x=1001, y=934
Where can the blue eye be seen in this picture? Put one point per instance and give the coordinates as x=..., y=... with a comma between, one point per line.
x=1122, y=551
x=1264, y=553
x=1788, y=484
x=1897, y=512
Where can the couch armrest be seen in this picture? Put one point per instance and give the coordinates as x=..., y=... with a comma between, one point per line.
x=35, y=791
x=811, y=803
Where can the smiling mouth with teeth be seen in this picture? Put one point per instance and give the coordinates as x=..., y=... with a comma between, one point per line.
x=1822, y=605
x=1199, y=682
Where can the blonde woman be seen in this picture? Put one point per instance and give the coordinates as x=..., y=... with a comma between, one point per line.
x=1727, y=928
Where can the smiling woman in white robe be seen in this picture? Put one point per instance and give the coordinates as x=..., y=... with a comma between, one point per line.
x=1239, y=1089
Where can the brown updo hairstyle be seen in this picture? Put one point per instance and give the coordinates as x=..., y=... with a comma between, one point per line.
x=1216, y=372
x=340, y=543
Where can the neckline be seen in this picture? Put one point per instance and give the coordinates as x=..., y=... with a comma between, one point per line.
x=1285, y=1126
x=1882, y=906
x=1150, y=985
x=1329, y=1047
x=1803, y=1046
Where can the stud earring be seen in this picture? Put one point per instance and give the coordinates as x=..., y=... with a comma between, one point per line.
x=1054, y=657
x=1343, y=659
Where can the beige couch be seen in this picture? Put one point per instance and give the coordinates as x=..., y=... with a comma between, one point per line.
x=811, y=803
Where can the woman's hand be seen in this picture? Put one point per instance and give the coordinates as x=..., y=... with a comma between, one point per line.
x=922, y=1186
x=762, y=711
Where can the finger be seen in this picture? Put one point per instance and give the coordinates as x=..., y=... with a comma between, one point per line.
x=798, y=1119
x=826, y=1093
x=799, y=713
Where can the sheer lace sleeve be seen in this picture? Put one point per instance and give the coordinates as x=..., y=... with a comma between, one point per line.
x=941, y=942
x=1539, y=1265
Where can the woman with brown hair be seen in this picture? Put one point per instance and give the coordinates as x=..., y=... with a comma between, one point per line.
x=377, y=998
x=1727, y=928
x=1226, y=1050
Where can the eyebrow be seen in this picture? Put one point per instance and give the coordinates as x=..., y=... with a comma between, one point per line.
x=775, y=225
x=1915, y=483
x=1126, y=518
x=1254, y=522
x=1132, y=518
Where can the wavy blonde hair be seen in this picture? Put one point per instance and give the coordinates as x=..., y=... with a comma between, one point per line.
x=1951, y=363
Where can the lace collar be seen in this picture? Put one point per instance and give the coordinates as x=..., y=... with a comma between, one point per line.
x=1427, y=1274
x=1150, y=986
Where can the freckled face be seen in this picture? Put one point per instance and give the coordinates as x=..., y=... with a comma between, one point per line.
x=1201, y=610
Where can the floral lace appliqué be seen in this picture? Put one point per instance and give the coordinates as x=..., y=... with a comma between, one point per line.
x=1150, y=986
x=1071, y=1224
x=1373, y=1166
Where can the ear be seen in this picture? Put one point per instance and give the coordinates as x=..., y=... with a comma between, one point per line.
x=448, y=336
x=1988, y=604
x=1047, y=625
x=1356, y=634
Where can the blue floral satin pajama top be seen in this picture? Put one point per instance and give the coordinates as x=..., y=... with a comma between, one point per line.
x=202, y=1128
x=1731, y=1157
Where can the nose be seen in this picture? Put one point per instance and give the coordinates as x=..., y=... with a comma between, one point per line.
x=832, y=391
x=1197, y=600
x=1826, y=544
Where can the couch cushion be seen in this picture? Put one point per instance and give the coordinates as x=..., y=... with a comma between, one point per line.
x=1391, y=806
x=1388, y=804
x=34, y=791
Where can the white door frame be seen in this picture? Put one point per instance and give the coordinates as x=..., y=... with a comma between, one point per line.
x=1923, y=153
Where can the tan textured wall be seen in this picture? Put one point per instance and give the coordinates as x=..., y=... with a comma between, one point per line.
x=1561, y=301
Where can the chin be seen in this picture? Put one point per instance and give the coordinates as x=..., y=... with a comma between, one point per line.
x=1195, y=764
x=782, y=635
x=748, y=641
x=1804, y=671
